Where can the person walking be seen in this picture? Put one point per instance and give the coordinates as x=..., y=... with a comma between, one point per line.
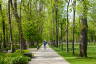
x=44, y=43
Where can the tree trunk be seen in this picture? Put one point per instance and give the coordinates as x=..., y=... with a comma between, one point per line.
x=62, y=35
x=74, y=8
x=84, y=29
x=67, y=49
x=3, y=25
x=56, y=19
x=18, y=19
x=4, y=40
x=10, y=25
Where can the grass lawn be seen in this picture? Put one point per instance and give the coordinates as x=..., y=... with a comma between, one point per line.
x=76, y=59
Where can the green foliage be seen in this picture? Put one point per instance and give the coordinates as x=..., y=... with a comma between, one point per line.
x=75, y=59
x=14, y=58
x=20, y=60
x=39, y=23
x=23, y=51
x=2, y=60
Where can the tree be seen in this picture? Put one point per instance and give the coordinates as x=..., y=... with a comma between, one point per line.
x=3, y=25
x=84, y=29
x=67, y=30
x=56, y=19
x=74, y=10
x=19, y=21
x=10, y=24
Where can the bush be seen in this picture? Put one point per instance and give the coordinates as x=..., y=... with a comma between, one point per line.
x=13, y=54
x=23, y=51
x=1, y=60
x=4, y=60
x=14, y=58
x=26, y=51
x=8, y=60
x=20, y=60
x=28, y=55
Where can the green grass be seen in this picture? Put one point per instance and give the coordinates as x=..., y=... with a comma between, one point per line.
x=75, y=59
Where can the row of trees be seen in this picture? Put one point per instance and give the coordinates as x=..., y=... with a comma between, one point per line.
x=26, y=22
x=70, y=20
x=21, y=23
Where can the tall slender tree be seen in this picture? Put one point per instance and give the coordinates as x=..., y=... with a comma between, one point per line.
x=3, y=25
x=56, y=19
x=10, y=23
x=74, y=10
x=67, y=30
x=19, y=21
x=84, y=29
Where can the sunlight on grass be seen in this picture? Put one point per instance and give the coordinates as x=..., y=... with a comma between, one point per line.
x=91, y=59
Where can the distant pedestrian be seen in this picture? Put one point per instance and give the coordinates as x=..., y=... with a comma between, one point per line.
x=44, y=43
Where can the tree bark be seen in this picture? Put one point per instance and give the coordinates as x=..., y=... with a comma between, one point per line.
x=84, y=29
x=56, y=19
x=74, y=10
x=3, y=26
x=10, y=25
x=67, y=49
x=62, y=35
x=18, y=19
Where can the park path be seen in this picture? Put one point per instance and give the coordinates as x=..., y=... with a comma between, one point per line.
x=47, y=56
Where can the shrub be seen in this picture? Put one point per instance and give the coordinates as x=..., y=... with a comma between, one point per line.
x=28, y=55
x=20, y=60
x=4, y=60
x=13, y=54
x=1, y=60
x=23, y=51
x=14, y=58
x=26, y=51
x=8, y=60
